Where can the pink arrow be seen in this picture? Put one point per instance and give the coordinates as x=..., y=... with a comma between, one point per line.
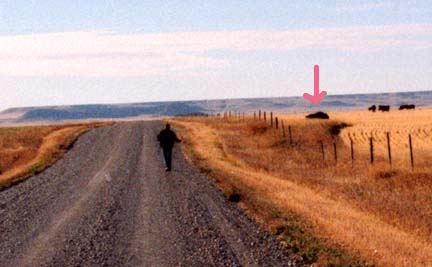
x=317, y=97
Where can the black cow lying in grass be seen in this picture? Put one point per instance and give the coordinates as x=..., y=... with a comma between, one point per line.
x=406, y=107
x=372, y=108
x=384, y=108
x=318, y=115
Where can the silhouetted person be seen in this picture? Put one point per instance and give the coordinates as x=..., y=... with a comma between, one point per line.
x=167, y=138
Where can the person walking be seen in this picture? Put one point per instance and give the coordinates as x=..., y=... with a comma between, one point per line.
x=167, y=138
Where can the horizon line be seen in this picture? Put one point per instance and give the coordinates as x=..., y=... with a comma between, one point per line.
x=211, y=99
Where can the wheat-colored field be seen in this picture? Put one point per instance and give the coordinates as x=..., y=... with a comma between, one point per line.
x=399, y=125
x=395, y=192
x=382, y=211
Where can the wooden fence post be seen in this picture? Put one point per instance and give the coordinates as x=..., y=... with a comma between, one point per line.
x=254, y=115
x=371, y=150
x=389, y=149
x=290, y=135
x=271, y=119
x=277, y=123
x=411, y=152
x=335, y=152
x=265, y=117
x=259, y=114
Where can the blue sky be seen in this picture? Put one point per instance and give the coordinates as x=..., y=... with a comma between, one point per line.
x=77, y=52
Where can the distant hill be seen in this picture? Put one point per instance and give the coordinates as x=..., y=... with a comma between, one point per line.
x=164, y=109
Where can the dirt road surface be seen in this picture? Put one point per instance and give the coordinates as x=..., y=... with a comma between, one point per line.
x=109, y=202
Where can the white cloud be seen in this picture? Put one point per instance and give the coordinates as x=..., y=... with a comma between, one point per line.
x=98, y=53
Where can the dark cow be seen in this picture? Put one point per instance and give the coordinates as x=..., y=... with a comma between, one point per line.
x=406, y=107
x=372, y=108
x=318, y=115
x=384, y=108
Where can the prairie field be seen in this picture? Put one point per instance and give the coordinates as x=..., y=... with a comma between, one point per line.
x=27, y=150
x=380, y=211
x=399, y=125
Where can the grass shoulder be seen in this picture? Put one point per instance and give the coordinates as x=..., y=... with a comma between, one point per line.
x=294, y=232
x=29, y=150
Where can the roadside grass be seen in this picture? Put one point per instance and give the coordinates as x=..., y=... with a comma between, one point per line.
x=27, y=151
x=294, y=232
x=394, y=193
x=381, y=213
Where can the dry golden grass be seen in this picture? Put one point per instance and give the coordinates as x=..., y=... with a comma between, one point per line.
x=383, y=213
x=398, y=124
x=394, y=193
x=25, y=151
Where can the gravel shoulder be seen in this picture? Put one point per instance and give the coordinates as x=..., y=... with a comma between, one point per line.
x=109, y=202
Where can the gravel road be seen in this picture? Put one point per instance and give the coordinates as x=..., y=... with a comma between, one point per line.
x=109, y=202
